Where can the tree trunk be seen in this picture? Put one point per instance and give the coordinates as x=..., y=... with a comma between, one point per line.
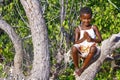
x=41, y=67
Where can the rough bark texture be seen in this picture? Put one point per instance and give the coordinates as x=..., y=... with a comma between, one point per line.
x=17, y=45
x=41, y=67
x=108, y=46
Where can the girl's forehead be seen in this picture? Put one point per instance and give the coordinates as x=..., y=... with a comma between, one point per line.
x=85, y=15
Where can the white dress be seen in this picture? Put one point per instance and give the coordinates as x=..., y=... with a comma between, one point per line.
x=84, y=46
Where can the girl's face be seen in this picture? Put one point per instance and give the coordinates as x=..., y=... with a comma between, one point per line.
x=85, y=19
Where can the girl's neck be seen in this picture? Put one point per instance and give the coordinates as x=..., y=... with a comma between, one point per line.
x=85, y=27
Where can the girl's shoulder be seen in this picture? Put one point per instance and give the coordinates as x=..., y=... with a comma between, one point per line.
x=77, y=29
x=94, y=27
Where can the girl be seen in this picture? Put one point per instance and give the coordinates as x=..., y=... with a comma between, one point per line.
x=86, y=37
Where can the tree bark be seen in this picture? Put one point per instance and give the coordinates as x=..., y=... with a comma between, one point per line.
x=41, y=66
x=17, y=42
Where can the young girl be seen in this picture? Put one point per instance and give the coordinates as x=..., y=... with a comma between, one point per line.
x=86, y=37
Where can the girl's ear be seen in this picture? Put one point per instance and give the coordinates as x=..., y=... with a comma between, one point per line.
x=80, y=18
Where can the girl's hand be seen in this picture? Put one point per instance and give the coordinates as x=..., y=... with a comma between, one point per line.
x=86, y=35
x=89, y=39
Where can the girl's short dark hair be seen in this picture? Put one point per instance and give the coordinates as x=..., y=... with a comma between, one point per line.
x=86, y=10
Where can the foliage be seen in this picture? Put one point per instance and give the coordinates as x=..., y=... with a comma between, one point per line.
x=67, y=75
x=2, y=74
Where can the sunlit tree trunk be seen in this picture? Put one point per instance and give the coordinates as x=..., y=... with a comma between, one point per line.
x=41, y=67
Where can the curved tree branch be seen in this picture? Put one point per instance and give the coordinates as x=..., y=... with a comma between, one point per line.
x=16, y=40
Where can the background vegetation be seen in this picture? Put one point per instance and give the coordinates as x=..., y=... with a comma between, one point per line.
x=106, y=15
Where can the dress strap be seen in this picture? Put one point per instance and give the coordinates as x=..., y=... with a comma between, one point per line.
x=79, y=27
x=92, y=26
